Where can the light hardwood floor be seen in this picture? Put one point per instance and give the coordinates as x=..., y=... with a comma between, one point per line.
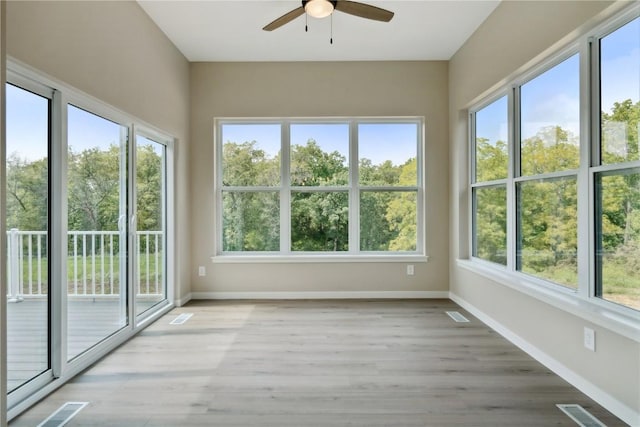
x=318, y=363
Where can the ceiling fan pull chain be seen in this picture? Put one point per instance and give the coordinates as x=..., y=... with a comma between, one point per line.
x=306, y=23
x=331, y=39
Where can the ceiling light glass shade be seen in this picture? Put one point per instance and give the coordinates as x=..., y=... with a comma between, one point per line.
x=319, y=8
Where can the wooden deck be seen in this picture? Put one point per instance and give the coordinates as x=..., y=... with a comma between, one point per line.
x=318, y=363
x=90, y=321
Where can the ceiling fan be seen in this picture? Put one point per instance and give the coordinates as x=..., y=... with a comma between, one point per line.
x=324, y=8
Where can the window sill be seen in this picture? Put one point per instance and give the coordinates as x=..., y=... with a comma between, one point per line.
x=316, y=259
x=620, y=320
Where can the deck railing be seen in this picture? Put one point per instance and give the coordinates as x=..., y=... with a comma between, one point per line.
x=93, y=263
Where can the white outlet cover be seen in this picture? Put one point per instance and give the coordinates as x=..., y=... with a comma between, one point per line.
x=589, y=339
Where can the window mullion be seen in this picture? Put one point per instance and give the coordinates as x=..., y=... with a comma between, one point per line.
x=59, y=233
x=285, y=188
x=584, y=198
x=354, y=189
x=472, y=179
x=588, y=289
x=513, y=101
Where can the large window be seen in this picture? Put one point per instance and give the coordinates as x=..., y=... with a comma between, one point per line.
x=546, y=189
x=556, y=170
x=617, y=168
x=312, y=187
x=489, y=189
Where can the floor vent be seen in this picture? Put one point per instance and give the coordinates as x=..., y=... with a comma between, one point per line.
x=457, y=316
x=580, y=415
x=63, y=415
x=181, y=319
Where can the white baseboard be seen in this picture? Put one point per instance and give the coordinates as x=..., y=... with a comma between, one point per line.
x=322, y=295
x=182, y=301
x=619, y=409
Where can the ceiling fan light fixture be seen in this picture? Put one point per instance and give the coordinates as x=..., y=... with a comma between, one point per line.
x=319, y=8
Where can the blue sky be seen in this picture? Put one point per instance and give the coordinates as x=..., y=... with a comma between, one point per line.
x=86, y=130
x=27, y=124
x=620, y=70
x=552, y=99
x=378, y=142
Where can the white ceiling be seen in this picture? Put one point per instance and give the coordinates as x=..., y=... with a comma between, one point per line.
x=231, y=30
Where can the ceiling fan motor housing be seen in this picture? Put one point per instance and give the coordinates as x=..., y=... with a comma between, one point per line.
x=319, y=8
x=333, y=2
x=323, y=8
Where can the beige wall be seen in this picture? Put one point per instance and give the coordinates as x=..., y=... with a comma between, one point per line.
x=338, y=89
x=114, y=52
x=514, y=34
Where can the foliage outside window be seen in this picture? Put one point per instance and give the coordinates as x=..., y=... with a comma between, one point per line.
x=539, y=179
x=299, y=187
x=547, y=241
x=489, y=190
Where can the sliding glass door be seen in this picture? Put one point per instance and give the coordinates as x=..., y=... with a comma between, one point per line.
x=97, y=229
x=87, y=190
x=150, y=224
x=27, y=220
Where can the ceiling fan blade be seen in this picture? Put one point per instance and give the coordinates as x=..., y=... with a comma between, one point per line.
x=284, y=19
x=364, y=10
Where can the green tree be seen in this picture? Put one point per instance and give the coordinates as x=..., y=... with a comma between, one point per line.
x=620, y=132
x=552, y=149
x=491, y=223
x=402, y=210
x=27, y=194
x=491, y=160
x=244, y=164
x=94, y=189
x=251, y=220
x=319, y=220
x=626, y=194
x=310, y=166
x=149, y=188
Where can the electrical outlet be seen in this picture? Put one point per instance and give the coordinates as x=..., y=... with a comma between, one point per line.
x=410, y=270
x=589, y=339
x=202, y=271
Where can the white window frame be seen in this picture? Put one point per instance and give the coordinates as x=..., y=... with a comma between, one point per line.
x=352, y=188
x=475, y=184
x=581, y=302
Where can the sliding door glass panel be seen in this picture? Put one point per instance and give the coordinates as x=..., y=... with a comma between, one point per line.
x=151, y=240
x=97, y=224
x=27, y=210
